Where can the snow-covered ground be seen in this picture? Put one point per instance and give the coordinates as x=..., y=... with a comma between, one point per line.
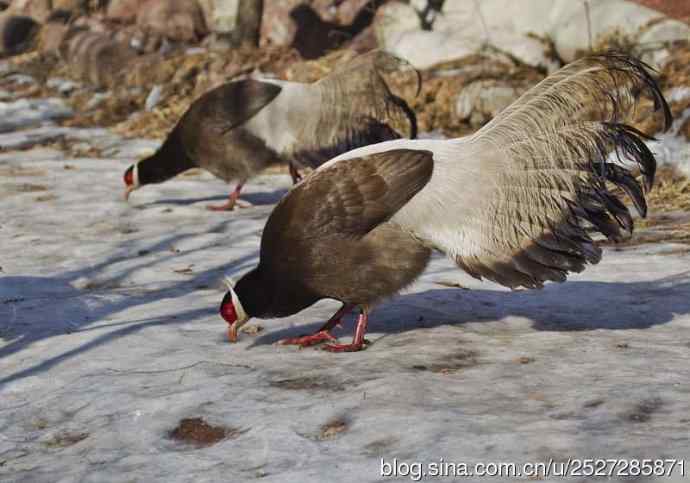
x=110, y=336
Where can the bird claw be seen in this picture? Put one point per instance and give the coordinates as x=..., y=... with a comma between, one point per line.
x=243, y=204
x=229, y=206
x=224, y=207
x=354, y=347
x=308, y=340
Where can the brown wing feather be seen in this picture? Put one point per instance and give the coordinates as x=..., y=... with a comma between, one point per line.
x=357, y=109
x=222, y=109
x=347, y=199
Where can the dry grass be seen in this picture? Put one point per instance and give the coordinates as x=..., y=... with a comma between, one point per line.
x=669, y=211
x=671, y=191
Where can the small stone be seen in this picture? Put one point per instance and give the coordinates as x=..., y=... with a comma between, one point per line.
x=154, y=98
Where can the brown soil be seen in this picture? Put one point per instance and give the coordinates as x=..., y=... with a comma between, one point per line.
x=199, y=433
x=332, y=429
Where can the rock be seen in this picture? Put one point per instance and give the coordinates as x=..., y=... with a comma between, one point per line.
x=393, y=20
x=276, y=26
x=51, y=37
x=466, y=27
x=220, y=15
x=75, y=6
x=123, y=10
x=17, y=33
x=25, y=113
x=63, y=86
x=179, y=20
x=153, y=98
x=447, y=42
x=97, y=58
x=97, y=99
x=480, y=101
x=655, y=33
x=20, y=79
x=425, y=49
x=39, y=10
x=316, y=26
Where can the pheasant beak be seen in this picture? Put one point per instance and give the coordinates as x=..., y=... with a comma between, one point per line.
x=128, y=191
x=232, y=332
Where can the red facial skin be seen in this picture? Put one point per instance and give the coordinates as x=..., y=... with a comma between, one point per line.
x=129, y=176
x=228, y=312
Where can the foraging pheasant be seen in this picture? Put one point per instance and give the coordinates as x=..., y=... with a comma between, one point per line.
x=239, y=128
x=510, y=203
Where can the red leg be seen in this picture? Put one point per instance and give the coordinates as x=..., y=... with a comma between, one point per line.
x=294, y=173
x=230, y=204
x=321, y=335
x=357, y=341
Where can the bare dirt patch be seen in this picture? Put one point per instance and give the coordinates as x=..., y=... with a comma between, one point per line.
x=199, y=433
x=332, y=429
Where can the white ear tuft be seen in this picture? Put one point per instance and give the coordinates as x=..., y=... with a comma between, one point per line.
x=135, y=175
x=242, y=316
x=228, y=281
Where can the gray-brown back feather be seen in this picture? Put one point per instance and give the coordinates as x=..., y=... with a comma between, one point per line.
x=212, y=135
x=330, y=234
x=357, y=108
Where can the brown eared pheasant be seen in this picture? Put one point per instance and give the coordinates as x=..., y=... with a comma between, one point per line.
x=239, y=128
x=514, y=203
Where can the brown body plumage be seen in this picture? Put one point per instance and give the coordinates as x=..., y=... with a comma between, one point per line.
x=513, y=203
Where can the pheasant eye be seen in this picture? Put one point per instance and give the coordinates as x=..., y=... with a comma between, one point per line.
x=129, y=176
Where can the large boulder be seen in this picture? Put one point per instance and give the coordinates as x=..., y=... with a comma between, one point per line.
x=464, y=27
x=76, y=6
x=123, y=10
x=52, y=35
x=220, y=15
x=97, y=58
x=283, y=19
x=179, y=20
x=277, y=27
x=481, y=100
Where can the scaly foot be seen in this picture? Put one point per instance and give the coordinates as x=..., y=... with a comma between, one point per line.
x=308, y=340
x=232, y=201
x=227, y=206
x=354, y=347
x=358, y=341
